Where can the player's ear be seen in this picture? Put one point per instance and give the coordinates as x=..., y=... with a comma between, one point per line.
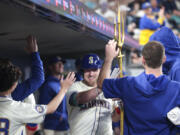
x=164, y=59
x=143, y=61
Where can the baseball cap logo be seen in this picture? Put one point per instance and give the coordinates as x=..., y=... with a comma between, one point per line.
x=91, y=61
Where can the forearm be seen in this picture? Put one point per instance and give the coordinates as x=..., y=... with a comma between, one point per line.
x=105, y=71
x=86, y=96
x=37, y=71
x=53, y=105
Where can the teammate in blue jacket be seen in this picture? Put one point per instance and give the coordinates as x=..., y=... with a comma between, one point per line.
x=147, y=97
x=172, y=50
x=28, y=86
x=56, y=123
x=148, y=23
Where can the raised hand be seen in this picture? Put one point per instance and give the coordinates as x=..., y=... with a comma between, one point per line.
x=161, y=12
x=110, y=51
x=70, y=78
x=31, y=44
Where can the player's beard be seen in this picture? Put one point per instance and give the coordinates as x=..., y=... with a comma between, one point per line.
x=91, y=83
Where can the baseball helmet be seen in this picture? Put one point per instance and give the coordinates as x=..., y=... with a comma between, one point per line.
x=91, y=61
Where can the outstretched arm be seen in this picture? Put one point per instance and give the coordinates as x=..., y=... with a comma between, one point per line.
x=110, y=53
x=65, y=84
x=84, y=97
x=27, y=87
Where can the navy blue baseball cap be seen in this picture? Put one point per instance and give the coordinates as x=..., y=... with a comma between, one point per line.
x=55, y=59
x=146, y=5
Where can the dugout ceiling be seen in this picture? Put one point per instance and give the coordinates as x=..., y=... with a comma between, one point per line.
x=56, y=32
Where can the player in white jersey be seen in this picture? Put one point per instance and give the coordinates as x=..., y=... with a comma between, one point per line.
x=14, y=114
x=30, y=128
x=89, y=112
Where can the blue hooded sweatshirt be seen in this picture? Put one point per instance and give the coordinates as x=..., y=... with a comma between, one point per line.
x=172, y=51
x=147, y=100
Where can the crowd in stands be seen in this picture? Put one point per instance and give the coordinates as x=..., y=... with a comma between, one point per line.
x=143, y=17
x=135, y=11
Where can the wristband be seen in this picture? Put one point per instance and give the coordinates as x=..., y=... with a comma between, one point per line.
x=32, y=127
x=117, y=110
x=72, y=100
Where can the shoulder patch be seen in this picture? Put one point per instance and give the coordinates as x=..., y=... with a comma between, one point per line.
x=39, y=108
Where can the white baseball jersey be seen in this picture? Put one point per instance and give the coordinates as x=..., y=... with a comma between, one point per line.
x=94, y=118
x=13, y=115
x=31, y=100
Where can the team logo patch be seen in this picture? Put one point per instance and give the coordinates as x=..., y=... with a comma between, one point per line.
x=39, y=109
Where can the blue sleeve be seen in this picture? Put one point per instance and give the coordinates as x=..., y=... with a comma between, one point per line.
x=147, y=23
x=113, y=88
x=115, y=124
x=177, y=75
x=27, y=87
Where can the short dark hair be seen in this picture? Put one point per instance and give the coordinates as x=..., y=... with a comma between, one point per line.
x=153, y=53
x=9, y=74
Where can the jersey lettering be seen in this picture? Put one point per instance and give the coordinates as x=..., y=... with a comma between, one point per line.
x=4, y=126
x=97, y=103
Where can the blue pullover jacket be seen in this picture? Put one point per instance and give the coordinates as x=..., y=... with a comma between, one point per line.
x=48, y=91
x=147, y=100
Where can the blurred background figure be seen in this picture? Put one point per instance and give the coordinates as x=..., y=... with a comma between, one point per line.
x=149, y=23
x=155, y=7
x=56, y=123
x=105, y=11
x=172, y=13
x=79, y=72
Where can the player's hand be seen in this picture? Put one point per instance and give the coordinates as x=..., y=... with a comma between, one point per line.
x=70, y=78
x=161, y=12
x=110, y=51
x=31, y=44
x=116, y=114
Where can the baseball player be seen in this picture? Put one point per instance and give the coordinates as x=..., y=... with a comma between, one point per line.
x=89, y=112
x=14, y=114
x=25, y=88
x=57, y=122
x=172, y=51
